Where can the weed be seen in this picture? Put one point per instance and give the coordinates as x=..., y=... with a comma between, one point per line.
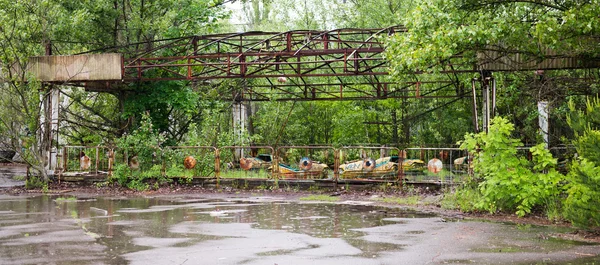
x=314, y=188
x=240, y=174
x=409, y=189
x=464, y=199
x=102, y=184
x=325, y=198
x=18, y=178
x=70, y=199
x=34, y=182
x=385, y=187
x=410, y=200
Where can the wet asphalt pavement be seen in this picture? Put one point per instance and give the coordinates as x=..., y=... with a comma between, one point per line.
x=194, y=229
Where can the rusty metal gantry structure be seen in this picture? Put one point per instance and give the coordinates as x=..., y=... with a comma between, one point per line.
x=341, y=64
x=303, y=65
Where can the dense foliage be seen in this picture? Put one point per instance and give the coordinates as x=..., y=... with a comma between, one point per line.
x=582, y=206
x=441, y=36
x=441, y=29
x=507, y=180
x=143, y=156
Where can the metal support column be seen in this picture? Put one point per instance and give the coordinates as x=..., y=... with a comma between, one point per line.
x=474, y=93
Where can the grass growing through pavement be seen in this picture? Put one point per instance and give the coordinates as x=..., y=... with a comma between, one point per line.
x=19, y=178
x=240, y=174
x=70, y=199
x=325, y=198
x=410, y=200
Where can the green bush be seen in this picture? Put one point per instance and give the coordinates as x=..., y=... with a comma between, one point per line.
x=144, y=143
x=506, y=180
x=582, y=206
x=34, y=182
x=463, y=198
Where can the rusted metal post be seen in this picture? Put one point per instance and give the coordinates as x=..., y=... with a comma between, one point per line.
x=345, y=60
x=65, y=158
x=217, y=163
x=401, y=155
x=242, y=65
x=336, y=165
x=356, y=62
x=189, y=70
x=275, y=167
x=111, y=161
x=228, y=64
x=97, y=158
x=195, y=45
x=288, y=37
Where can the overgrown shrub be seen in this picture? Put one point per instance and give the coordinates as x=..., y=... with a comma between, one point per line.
x=143, y=144
x=35, y=182
x=582, y=206
x=506, y=180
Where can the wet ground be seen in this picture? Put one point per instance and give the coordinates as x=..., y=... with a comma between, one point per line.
x=220, y=229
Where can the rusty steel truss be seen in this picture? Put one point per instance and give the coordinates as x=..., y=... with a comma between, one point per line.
x=341, y=64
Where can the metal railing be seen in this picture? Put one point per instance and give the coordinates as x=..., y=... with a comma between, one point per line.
x=246, y=162
x=368, y=163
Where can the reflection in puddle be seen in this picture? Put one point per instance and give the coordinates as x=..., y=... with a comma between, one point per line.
x=171, y=230
x=119, y=230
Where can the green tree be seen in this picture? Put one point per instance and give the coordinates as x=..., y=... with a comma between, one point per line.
x=23, y=33
x=360, y=13
x=582, y=206
x=438, y=30
x=131, y=27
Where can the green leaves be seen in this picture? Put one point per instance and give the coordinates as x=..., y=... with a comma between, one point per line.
x=508, y=181
x=582, y=206
x=439, y=30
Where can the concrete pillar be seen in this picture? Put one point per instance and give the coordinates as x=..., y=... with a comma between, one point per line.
x=543, y=109
x=49, y=127
x=239, y=125
x=54, y=109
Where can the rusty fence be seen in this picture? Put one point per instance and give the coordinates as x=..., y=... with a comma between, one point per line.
x=86, y=159
x=306, y=162
x=370, y=163
x=246, y=162
x=362, y=163
x=436, y=164
x=190, y=162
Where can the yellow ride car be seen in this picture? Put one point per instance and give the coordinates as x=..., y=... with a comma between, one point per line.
x=385, y=167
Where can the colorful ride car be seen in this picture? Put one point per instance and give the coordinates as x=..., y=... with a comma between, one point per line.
x=461, y=165
x=385, y=167
x=261, y=161
x=316, y=170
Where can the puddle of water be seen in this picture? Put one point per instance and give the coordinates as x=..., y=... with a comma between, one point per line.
x=112, y=228
x=260, y=230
